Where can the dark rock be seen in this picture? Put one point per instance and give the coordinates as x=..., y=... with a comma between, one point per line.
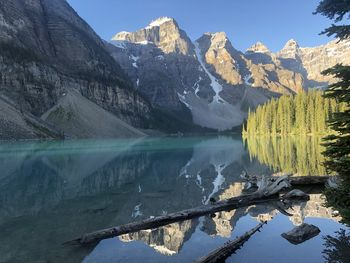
x=301, y=233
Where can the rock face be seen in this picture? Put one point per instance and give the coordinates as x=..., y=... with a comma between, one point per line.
x=164, y=33
x=47, y=50
x=224, y=60
x=311, y=61
x=301, y=233
x=267, y=71
x=154, y=76
x=179, y=76
x=211, y=80
x=161, y=60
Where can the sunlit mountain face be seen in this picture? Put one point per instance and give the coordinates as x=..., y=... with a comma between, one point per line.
x=52, y=192
x=213, y=81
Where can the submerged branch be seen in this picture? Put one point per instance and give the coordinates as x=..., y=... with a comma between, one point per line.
x=222, y=253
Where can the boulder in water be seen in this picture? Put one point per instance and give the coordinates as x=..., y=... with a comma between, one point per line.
x=301, y=233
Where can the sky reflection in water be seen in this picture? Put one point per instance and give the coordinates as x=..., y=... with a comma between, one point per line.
x=53, y=191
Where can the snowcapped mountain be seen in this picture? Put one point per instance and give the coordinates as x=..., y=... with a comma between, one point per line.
x=53, y=66
x=164, y=33
x=214, y=81
x=183, y=77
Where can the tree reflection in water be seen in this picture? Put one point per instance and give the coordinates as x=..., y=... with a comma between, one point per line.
x=289, y=154
x=337, y=247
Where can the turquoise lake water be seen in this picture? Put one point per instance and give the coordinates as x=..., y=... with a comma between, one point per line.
x=51, y=192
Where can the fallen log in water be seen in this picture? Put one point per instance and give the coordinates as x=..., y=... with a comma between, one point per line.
x=267, y=191
x=222, y=253
x=293, y=179
x=308, y=180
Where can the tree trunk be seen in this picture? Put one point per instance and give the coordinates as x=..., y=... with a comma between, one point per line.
x=293, y=179
x=267, y=191
x=222, y=253
x=308, y=180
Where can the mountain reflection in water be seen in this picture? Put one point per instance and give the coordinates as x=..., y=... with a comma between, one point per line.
x=52, y=192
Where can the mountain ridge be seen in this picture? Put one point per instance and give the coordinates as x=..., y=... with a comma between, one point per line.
x=48, y=49
x=211, y=69
x=153, y=78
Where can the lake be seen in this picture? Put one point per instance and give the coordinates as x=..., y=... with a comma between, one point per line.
x=51, y=192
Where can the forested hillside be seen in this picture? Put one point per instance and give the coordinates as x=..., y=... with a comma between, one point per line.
x=301, y=114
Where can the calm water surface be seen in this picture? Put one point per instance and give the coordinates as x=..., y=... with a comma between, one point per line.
x=51, y=192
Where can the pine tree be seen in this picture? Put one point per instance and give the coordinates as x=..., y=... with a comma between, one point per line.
x=335, y=10
x=338, y=145
x=304, y=113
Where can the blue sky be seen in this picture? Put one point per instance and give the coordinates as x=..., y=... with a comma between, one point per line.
x=272, y=22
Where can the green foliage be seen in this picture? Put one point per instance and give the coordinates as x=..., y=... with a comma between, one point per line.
x=333, y=9
x=288, y=154
x=336, y=10
x=338, y=145
x=340, y=201
x=341, y=31
x=337, y=248
x=302, y=114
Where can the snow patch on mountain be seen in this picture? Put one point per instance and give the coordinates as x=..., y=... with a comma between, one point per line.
x=134, y=59
x=247, y=79
x=217, y=114
x=119, y=44
x=217, y=88
x=120, y=35
x=196, y=85
x=145, y=42
x=182, y=98
x=158, y=22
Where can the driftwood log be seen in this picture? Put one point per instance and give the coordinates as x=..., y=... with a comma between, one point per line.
x=293, y=179
x=267, y=191
x=308, y=180
x=222, y=253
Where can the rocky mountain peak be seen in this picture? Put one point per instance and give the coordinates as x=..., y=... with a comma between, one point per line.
x=215, y=41
x=259, y=47
x=218, y=52
x=217, y=83
x=161, y=21
x=292, y=43
x=163, y=32
x=290, y=50
x=121, y=36
x=219, y=39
